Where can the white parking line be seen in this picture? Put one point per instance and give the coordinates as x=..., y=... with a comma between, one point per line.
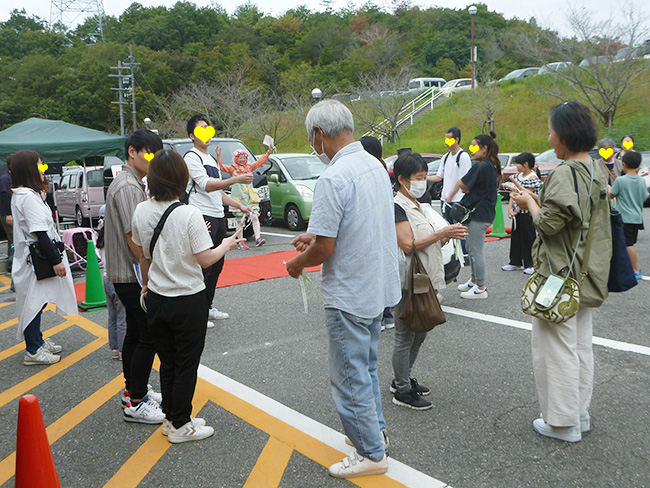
x=601, y=341
x=398, y=471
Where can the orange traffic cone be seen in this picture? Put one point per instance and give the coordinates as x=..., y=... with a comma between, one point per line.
x=95, y=296
x=34, y=462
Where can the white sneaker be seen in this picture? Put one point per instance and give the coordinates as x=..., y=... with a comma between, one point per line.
x=154, y=395
x=41, y=356
x=585, y=423
x=511, y=267
x=475, y=293
x=210, y=324
x=217, y=315
x=568, y=434
x=357, y=465
x=191, y=431
x=167, y=426
x=49, y=346
x=529, y=271
x=148, y=412
x=466, y=286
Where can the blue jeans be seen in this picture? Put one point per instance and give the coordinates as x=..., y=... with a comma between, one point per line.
x=353, y=343
x=33, y=335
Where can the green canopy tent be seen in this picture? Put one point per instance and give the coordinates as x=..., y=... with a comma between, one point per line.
x=56, y=140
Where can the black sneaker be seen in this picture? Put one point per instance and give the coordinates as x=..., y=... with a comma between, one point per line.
x=420, y=389
x=411, y=399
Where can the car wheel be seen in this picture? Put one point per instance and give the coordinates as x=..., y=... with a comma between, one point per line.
x=293, y=219
x=79, y=218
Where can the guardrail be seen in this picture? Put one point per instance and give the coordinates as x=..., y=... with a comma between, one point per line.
x=408, y=112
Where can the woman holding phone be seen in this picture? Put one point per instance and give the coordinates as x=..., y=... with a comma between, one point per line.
x=573, y=201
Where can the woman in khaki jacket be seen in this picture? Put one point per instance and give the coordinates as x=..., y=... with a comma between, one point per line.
x=562, y=353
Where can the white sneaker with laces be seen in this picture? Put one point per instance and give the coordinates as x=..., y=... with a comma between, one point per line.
x=466, y=286
x=148, y=412
x=217, y=315
x=41, y=356
x=154, y=395
x=475, y=293
x=49, y=346
x=357, y=465
x=167, y=426
x=191, y=431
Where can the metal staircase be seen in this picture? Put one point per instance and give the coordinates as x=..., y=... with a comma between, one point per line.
x=424, y=101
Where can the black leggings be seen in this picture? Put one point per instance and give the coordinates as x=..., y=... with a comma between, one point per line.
x=521, y=241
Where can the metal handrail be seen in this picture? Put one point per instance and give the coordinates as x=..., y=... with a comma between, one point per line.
x=409, y=110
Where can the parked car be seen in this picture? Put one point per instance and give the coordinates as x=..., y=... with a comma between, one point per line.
x=595, y=60
x=644, y=171
x=434, y=188
x=291, y=178
x=520, y=74
x=545, y=162
x=80, y=194
x=453, y=86
x=423, y=83
x=552, y=67
x=390, y=162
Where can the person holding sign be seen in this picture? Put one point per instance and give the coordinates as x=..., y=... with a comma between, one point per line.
x=245, y=193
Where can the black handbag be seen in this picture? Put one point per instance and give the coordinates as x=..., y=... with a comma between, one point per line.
x=460, y=213
x=621, y=272
x=42, y=267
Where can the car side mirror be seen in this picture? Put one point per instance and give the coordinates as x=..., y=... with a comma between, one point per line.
x=274, y=178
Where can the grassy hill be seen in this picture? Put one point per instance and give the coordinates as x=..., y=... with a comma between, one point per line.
x=520, y=121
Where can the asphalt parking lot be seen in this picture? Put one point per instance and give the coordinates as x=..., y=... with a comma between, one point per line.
x=264, y=387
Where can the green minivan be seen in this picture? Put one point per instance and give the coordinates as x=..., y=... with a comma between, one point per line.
x=291, y=178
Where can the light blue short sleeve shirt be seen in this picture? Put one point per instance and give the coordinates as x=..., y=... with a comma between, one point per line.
x=353, y=202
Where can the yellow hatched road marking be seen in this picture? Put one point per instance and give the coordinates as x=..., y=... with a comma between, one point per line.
x=67, y=422
x=6, y=282
x=8, y=323
x=6, y=304
x=270, y=466
x=48, y=333
x=148, y=454
x=14, y=321
x=35, y=380
x=312, y=448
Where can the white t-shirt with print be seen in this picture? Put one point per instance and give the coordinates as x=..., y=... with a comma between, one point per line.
x=174, y=270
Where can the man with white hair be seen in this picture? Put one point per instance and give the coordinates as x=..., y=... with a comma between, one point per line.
x=352, y=234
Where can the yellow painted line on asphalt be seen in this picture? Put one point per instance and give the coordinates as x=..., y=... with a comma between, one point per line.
x=292, y=437
x=270, y=465
x=69, y=421
x=8, y=323
x=14, y=321
x=33, y=381
x=6, y=304
x=48, y=333
x=6, y=282
x=148, y=454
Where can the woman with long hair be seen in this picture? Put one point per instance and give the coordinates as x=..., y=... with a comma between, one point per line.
x=480, y=185
x=571, y=209
x=33, y=225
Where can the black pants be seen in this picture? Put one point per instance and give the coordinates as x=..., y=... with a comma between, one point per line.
x=521, y=240
x=178, y=326
x=138, y=350
x=218, y=231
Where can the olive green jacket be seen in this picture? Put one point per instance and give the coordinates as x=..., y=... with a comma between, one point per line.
x=560, y=221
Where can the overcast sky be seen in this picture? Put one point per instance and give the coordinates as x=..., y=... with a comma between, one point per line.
x=550, y=13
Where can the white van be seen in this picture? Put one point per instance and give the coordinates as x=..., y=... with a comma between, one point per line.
x=423, y=83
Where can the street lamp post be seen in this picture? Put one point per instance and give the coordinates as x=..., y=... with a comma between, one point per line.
x=472, y=12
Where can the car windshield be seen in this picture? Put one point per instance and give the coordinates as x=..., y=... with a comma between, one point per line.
x=305, y=167
x=513, y=74
x=450, y=84
x=433, y=167
x=547, y=157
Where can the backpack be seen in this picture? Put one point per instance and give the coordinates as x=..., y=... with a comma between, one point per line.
x=185, y=198
x=444, y=160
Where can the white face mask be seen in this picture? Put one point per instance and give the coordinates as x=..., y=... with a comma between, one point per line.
x=418, y=188
x=322, y=156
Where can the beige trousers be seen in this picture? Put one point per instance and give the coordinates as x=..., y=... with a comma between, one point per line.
x=563, y=364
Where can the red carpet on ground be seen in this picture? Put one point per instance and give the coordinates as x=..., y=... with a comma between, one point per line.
x=240, y=270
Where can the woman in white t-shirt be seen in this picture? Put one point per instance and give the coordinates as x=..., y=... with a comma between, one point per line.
x=173, y=284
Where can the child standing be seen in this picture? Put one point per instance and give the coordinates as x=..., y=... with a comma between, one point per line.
x=245, y=194
x=630, y=192
x=523, y=229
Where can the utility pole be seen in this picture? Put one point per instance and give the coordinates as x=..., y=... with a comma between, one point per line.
x=126, y=88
